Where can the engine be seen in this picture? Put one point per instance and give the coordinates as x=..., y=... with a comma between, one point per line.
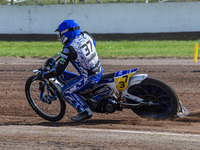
x=104, y=106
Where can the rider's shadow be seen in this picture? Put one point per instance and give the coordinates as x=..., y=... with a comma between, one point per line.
x=88, y=122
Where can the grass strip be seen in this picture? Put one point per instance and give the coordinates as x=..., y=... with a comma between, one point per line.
x=105, y=49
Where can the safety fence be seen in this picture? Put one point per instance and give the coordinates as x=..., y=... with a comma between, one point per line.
x=47, y=2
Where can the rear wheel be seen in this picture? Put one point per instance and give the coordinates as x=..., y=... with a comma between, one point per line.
x=50, y=107
x=157, y=92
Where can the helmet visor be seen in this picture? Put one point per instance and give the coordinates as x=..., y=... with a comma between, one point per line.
x=59, y=36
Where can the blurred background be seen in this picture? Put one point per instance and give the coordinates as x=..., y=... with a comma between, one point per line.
x=122, y=28
x=105, y=19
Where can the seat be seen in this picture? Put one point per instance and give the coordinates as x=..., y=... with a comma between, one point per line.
x=108, y=76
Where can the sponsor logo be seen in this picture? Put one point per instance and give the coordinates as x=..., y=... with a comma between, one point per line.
x=64, y=56
x=66, y=50
x=104, y=89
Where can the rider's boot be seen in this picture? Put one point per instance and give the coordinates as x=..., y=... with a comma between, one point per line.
x=82, y=116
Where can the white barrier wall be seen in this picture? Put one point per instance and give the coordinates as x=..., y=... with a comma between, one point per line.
x=102, y=18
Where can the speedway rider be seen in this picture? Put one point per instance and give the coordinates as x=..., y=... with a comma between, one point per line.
x=79, y=49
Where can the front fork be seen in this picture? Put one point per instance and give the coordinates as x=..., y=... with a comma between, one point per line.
x=50, y=95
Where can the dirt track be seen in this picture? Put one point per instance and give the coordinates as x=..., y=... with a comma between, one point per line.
x=182, y=74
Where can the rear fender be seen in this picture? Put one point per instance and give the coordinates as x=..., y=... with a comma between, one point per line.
x=134, y=80
x=137, y=79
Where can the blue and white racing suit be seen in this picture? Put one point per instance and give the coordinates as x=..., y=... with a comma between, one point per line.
x=81, y=52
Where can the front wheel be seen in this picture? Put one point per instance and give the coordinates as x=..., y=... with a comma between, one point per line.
x=47, y=103
x=157, y=92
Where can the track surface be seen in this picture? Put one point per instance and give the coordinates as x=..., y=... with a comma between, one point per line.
x=182, y=74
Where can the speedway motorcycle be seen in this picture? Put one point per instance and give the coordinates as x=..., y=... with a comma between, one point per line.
x=145, y=96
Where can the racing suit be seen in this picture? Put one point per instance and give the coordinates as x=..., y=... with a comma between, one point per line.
x=81, y=52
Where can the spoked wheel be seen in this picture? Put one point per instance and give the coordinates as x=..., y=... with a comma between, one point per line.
x=163, y=100
x=48, y=105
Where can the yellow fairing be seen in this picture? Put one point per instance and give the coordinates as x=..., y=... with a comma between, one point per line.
x=122, y=82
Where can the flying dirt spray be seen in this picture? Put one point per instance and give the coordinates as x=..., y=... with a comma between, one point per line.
x=195, y=52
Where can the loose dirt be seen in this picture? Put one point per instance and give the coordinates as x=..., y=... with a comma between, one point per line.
x=182, y=74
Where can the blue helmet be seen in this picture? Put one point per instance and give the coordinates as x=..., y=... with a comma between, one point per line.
x=68, y=29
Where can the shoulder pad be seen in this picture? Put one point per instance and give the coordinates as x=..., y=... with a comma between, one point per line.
x=88, y=34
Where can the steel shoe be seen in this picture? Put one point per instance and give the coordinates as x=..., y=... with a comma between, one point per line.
x=82, y=116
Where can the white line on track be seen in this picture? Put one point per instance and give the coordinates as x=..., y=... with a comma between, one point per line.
x=136, y=132
x=91, y=138
x=25, y=128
